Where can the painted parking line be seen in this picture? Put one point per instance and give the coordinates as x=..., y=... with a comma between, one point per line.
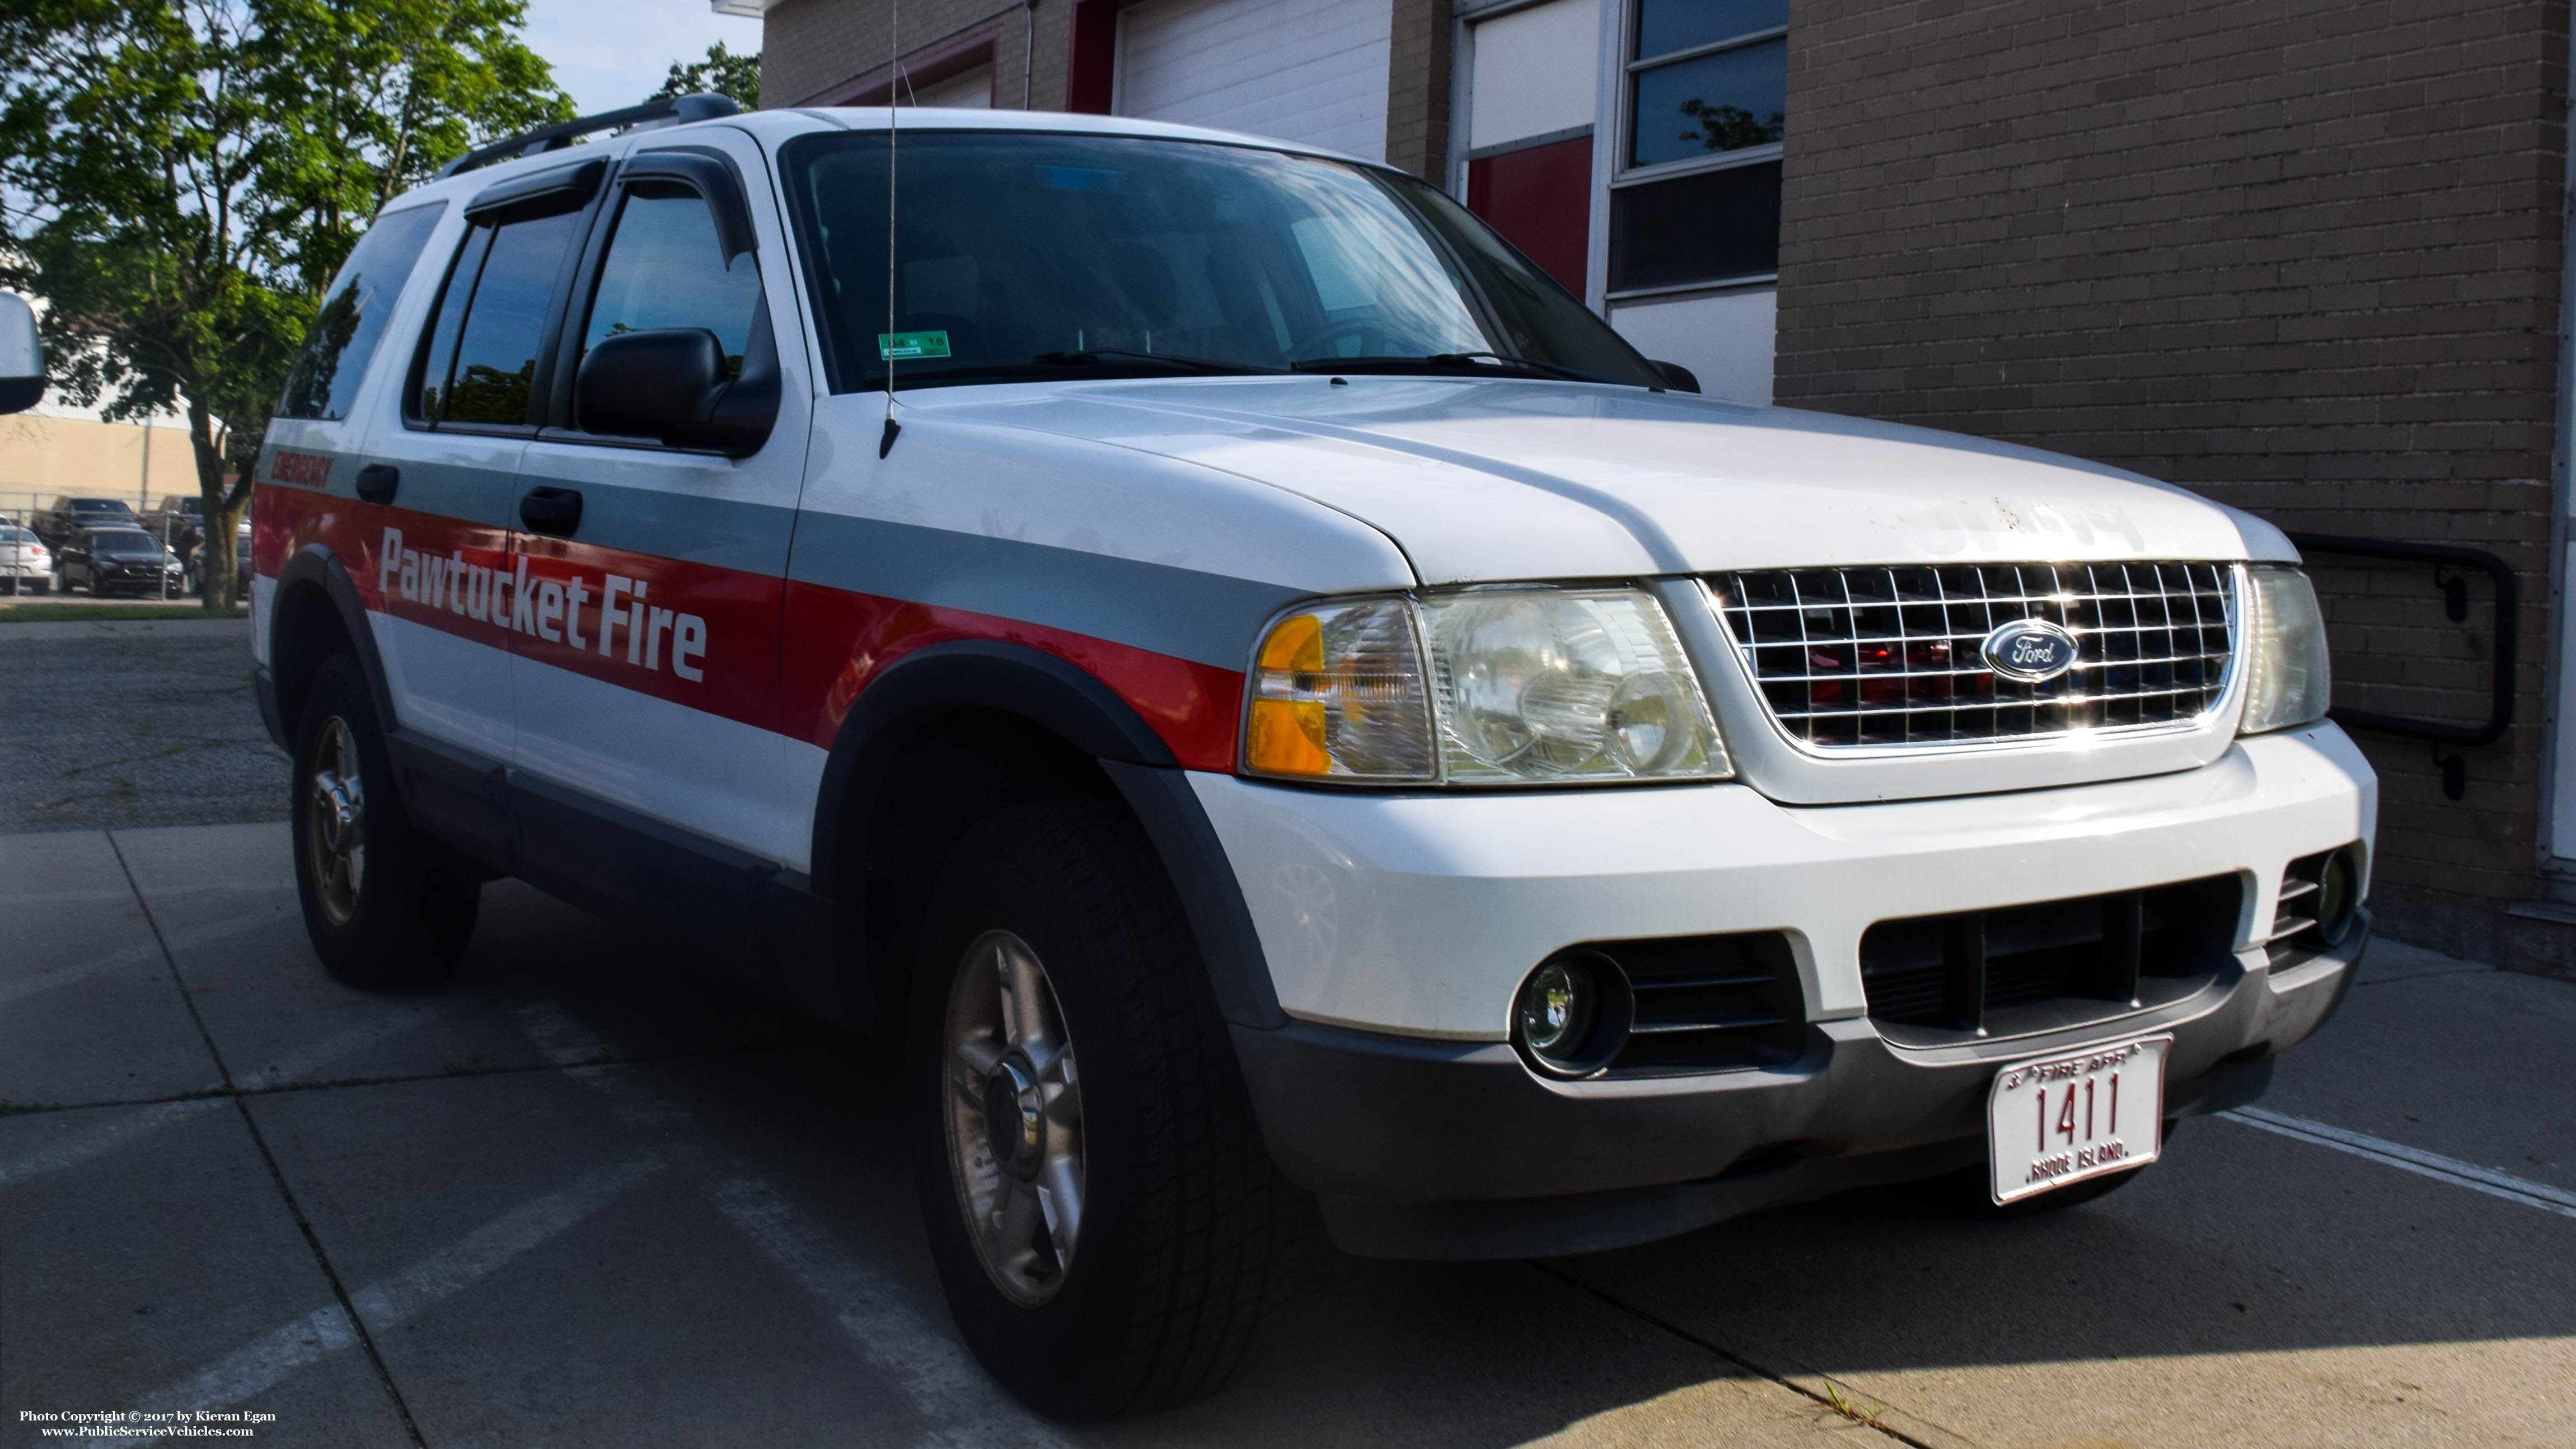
x=260, y=1365
x=874, y=1314
x=2412, y=1159
x=309, y=1059
x=115, y=1127
x=135, y=954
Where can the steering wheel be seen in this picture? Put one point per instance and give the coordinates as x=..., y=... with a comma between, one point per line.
x=1314, y=346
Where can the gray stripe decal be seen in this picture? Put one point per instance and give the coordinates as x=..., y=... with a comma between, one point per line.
x=1208, y=618
x=725, y=533
x=466, y=494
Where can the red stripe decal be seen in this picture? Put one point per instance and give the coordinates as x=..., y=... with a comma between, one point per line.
x=843, y=641
x=705, y=637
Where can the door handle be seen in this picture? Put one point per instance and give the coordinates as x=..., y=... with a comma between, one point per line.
x=551, y=510
x=377, y=482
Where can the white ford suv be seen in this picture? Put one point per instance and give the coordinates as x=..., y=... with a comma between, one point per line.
x=1265, y=692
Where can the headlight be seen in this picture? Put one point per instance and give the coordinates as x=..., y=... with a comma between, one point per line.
x=1524, y=685
x=2287, y=679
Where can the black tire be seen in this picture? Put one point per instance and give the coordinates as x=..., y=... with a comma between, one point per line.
x=403, y=916
x=1182, y=1215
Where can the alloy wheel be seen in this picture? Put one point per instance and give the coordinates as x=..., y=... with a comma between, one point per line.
x=1014, y=1117
x=336, y=834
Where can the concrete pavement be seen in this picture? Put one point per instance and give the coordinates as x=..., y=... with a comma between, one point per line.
x=588, y=1195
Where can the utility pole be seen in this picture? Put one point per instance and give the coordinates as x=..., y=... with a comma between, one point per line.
x=143, y=505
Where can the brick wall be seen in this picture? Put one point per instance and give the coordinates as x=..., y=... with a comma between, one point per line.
x=812, y=48
x=2301, y=257
x=1417, y=88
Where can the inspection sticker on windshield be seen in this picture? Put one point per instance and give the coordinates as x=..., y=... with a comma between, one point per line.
x=2064, y=1119
x=905, y=346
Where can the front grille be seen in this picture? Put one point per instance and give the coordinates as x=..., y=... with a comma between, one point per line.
x=1853, y=657
x=1709, y=1003
x=2056, y=963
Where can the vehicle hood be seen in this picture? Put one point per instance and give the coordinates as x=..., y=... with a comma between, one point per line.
x=1480, y=480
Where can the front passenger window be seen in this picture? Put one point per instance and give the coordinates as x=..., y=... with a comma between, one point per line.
x=665, y=268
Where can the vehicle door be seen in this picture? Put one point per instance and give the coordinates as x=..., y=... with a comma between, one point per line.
x=645, y=631
x=440, y=472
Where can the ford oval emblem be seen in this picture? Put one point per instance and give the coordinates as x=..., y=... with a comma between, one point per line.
x=2030, y=650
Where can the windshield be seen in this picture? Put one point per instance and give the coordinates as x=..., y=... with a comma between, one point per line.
x=1033, y=255
x=101, y=506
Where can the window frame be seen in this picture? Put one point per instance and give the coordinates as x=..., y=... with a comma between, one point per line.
x=1622, y=134
x=732, y=214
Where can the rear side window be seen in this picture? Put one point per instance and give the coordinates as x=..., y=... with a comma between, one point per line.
x=482, y=361
x=665, y=268
x=342, y=340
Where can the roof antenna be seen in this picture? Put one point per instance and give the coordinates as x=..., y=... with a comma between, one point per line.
x=894, y=77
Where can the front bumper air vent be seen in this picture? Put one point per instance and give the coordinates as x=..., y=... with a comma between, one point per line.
x=2017, y=970
x=2319, y=903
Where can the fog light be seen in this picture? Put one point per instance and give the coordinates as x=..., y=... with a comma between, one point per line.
x=1573, y=1014
x=2338, y=897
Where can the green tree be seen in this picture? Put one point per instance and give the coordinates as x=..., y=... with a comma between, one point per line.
x=179, y=179
x=723, y=73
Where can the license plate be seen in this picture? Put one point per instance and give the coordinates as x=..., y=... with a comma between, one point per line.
x=2063, y=1119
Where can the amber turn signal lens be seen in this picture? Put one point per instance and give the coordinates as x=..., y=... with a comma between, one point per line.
x=1337, y=692
x=1286, y=737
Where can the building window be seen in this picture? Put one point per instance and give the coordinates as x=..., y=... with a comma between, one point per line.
x=1697, y=201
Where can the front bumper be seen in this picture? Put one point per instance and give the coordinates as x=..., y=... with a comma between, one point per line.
x=1398, y=929
x=1423, y=1149
x=138, y=576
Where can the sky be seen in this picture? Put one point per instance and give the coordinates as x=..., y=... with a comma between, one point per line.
x=613, y=53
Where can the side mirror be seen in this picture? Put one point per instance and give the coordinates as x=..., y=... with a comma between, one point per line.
x=644, y=384
x=1676, y=376
x=22, y=356
x=668, y=383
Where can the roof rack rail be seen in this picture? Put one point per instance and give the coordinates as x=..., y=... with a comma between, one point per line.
x=678, y=110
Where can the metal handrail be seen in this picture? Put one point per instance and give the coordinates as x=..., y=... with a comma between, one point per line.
x=2455, y=593
x=2500, y=705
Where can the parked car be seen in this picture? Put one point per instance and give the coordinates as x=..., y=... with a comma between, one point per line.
x=69, y=515
x=120, y=561
x=25, y=562
x=1230, y=621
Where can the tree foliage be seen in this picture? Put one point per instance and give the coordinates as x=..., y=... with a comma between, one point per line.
x=724, y=72
x=179, y=179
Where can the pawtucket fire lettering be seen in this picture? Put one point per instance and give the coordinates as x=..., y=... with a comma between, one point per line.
x=550, y=609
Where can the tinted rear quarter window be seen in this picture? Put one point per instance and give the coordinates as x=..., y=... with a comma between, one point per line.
x=324, y=381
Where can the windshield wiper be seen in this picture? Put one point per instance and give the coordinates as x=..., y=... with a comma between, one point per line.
x=1096, y=356
x=1473, y=362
